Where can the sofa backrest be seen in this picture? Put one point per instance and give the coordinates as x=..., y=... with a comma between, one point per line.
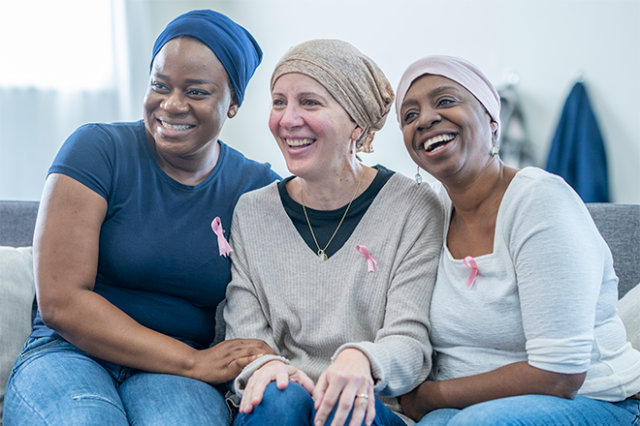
x=619, y=224
x=17, y=220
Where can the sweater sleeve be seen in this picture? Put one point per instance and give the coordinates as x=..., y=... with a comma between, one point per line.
x=401, y=353
x=558, y=255
x=243, y=313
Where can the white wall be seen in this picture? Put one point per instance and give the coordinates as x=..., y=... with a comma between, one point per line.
x=544, y=42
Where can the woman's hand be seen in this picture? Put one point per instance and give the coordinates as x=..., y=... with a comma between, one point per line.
x=224, y=361
x=276, y=371
x=345, y=383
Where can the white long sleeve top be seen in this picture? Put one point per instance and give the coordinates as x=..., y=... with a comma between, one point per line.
x=546, y=295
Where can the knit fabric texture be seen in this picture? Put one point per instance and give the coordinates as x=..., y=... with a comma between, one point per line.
x=308, y=310
x=353, y=79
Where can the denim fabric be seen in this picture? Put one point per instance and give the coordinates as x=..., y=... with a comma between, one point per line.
x=535, y=410
x=293, y=406
x=55, y=383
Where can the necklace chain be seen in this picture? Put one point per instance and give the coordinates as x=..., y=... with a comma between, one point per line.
x=321, y=252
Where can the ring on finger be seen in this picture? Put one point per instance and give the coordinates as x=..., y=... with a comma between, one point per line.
x=362, y=395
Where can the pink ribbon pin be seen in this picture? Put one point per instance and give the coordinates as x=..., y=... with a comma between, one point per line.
x=471, y=263
x=371, y=262
x=223, y=246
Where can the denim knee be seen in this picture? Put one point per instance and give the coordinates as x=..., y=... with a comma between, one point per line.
x=163, y=399
x=533, y=410
x=54, y=383
x=290, y=406
x=384, y=416
x=518, y=410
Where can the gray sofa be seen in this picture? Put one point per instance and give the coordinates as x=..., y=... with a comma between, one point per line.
x=619, y=224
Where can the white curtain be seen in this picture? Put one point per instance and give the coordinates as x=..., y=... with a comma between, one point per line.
x=67, y=65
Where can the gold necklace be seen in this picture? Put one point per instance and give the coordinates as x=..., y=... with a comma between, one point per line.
x=321, y=252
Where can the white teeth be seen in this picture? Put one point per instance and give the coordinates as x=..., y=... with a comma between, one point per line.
x=299, y=142
x=175, y=126
x=435, y=140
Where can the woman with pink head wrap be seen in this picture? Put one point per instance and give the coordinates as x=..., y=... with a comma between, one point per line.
x=523, y=314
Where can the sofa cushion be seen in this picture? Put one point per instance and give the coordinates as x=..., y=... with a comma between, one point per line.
x=17, y=291
x=629, y=311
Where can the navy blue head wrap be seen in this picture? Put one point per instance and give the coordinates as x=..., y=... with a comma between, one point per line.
x=236, y=49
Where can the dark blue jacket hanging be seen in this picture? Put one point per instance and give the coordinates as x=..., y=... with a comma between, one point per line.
x=577, y=150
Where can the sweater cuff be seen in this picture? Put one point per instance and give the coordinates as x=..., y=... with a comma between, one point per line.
x=368, y=348
x=241, y=381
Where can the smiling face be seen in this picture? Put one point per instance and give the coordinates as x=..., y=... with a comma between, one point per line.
x=315, y=134
x=188, y=99
x=446, y=129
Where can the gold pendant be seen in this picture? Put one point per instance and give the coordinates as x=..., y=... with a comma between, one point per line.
x=321, y=255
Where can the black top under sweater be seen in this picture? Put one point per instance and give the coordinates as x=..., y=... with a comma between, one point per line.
x=325, y=222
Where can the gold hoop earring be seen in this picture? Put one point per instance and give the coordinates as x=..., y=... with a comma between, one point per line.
x=418, y=176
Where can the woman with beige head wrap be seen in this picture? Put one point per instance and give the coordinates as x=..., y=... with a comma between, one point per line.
x=333, y=266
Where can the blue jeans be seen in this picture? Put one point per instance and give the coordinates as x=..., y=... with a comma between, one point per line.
x=55, y=383
x=538, y=410
x=293, y=406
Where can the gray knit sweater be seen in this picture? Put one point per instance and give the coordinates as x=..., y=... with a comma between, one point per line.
x=308, y=310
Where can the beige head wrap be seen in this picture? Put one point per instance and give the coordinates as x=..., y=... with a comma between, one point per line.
x=353, y=79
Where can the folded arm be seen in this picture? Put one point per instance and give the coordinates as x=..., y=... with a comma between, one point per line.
x=511, y=380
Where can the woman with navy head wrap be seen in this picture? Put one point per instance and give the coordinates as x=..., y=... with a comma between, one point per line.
x=131, y=253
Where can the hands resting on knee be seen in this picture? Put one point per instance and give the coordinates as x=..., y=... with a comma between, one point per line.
x=346, y=385
x=272, y=371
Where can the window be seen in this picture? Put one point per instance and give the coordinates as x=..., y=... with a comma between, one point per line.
x=65, y=45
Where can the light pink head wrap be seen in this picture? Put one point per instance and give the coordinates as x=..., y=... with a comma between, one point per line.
x=457, y=69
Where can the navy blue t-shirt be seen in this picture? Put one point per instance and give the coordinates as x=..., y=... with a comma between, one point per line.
x=159, y=260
